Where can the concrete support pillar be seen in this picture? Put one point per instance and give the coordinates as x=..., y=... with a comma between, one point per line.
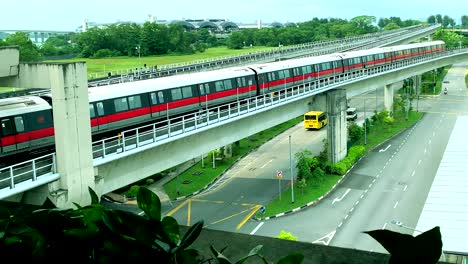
x=337, y=125
x=228, y=151
x=429, y=37
x=388, y=97
x=319, y=103
x=72, y=135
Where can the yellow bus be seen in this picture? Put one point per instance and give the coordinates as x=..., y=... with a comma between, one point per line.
x=315, y=119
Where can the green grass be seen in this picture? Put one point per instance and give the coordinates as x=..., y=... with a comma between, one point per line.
x=208, y=174
x=10, y=89
x=301, y=196
x=466, y=77
x=100, y=67
x=380, y=134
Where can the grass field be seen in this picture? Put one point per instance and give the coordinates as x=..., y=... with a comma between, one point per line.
x=10, y=89
x=116, y=65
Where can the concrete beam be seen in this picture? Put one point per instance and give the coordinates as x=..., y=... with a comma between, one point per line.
x=125, y=171
x=9, y=61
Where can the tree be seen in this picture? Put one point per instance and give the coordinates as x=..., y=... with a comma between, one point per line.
x=364, y=23
x=452, y=40
x=438, y=18
x=28, y=51
x=391, y=26
x=431, y=19
x=464, y=22
x=355, y=132
x=445, y=21
x=303, y=164
x=235, y=41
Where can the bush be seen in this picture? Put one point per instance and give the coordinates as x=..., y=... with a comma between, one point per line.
x=133, y=191
x=355, y=132
x=103, y=53
x=286, y=236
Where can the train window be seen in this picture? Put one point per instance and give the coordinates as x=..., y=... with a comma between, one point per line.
x=370, y=58
x=161, y=97
x=91, y=111
x=241, y=82
x=100, y=109
x=227, y=84
x=134, y=102
x=287, y=73
x=121, y=104
x=153, y=99
x=19, y=124
x=176, y=94
x=201, y=88
x=219, y=86
x=187, y=92
x=280, y=74
x=7, y=128
x=297, y=72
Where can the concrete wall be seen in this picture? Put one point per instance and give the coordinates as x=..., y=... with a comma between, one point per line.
x=31, y=75
x=9, y=60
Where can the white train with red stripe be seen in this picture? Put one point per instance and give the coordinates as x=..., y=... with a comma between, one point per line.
x=26, y=122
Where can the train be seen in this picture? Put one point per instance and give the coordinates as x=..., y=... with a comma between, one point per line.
x=27, y=121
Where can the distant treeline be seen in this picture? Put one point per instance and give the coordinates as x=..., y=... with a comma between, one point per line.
x=131, y=39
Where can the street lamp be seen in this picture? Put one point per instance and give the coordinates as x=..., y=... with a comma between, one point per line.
x=291, y=170
x=138, y=48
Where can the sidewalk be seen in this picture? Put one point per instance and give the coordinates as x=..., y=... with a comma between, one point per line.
x=158, y=186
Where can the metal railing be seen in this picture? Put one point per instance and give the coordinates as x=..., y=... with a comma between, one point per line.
x=191, y=123
x=27, y=171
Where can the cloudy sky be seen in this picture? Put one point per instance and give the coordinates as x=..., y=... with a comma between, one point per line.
x=68, y=15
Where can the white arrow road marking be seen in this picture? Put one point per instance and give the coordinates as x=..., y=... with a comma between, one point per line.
x=326, y=239
x=382, y=150
x=341, y=198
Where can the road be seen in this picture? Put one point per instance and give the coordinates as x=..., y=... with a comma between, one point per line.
x=252, y=182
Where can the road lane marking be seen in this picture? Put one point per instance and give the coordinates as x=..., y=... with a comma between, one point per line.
x=178, y=208
x=341, y=198
x=412, y=174
x=430, y=141
x=425, y=150
x=419, y=162
x=255, y=209
x=385, y=225
x=189, y=210
x=228, y=217
x=396, y=204
x=406, y=186
x=382, y=150
x=266, y=164
x=256, y=228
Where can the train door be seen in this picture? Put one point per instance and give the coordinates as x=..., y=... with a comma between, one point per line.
x=93, y=118
x=8, y=141
x=155, y=107
x=103, y=122
x=22, y=139
x=203, y=91
x=163, y=102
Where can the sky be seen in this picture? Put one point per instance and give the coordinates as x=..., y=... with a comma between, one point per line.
x=63, y=15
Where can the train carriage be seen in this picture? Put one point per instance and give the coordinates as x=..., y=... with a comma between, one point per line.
x=125, y=104
x=26, y=124
x=279, y=75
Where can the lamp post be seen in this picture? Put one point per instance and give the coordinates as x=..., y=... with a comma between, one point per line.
x=365, y=123
x=291, y=171
x=138, y=48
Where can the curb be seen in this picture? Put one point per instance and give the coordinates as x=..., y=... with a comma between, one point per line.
x=222, y=173
x=316, y=201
